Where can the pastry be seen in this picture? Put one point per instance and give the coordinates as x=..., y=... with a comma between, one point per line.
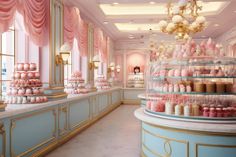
x=199, y=87
x=220, y=87
x=210, y=87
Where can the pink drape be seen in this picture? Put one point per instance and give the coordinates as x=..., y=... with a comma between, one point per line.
x=36, y=18
x=75, y=27
x=7, y=12
x=98, y=40
x=104, y=49
x=83, y=37
x=70, y=24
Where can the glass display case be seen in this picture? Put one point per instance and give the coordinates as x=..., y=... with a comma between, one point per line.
x=135, y=80
x=193, y=88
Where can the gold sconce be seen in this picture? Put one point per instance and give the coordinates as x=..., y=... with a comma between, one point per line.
x=118, y=68
x=111, y=67
x=64, y=55
x=95, y=63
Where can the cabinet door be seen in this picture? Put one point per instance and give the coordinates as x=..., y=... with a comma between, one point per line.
x=32, y=131
x=79, y=113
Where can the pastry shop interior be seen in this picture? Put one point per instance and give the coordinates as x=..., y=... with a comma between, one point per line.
x=131, y=78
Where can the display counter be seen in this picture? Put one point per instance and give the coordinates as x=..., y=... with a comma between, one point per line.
x=35, y=129
x=163, y=137
x=130, y=95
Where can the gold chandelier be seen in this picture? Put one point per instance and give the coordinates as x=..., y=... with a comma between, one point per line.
x=183, y=19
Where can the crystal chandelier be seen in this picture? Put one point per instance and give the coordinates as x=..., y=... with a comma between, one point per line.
x=183, y=19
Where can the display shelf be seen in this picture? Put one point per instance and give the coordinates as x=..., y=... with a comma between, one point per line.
x=192, y=118
x=197, y=61
x=189, y=93
x=174, y=90
x=158, y=78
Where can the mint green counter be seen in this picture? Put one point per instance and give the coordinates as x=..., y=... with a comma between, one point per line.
x=35, y=129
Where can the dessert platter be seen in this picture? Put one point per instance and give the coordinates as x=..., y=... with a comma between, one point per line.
x=135, y=80
x=193, y=84
x=25, y=87
x=76, y=84
x=101, y=83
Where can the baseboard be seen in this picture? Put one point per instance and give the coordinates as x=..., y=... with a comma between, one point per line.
x=131, y=102
x=73, y=133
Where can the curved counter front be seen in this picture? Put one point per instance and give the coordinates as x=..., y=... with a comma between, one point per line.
x=173, y=138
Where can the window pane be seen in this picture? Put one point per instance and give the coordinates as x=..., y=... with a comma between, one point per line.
x=67, y=73
x=8, y=44
x=5, y=85
x=7, y=67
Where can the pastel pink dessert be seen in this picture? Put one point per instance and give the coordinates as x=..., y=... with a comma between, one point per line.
x=154, y=106
x=148, y=105
x=171, y=73
x=30, y=75
x=161, y=106
x=184, y=72
x=177, y=72
x=20, y=66
x=212, y=112
x=32, y=66
x=23, y=75
x=220, y=73
x=36, y=75
x=35, y=91
x=219, y=112
x=17, y=75
x=188, y=89
x=28, y=91
x=163, y=73
x=176, y=88
x=206, y=112
x=182, y=88
x=165, y=88
x=170, y=88
x=26, y=67
x=32, y=100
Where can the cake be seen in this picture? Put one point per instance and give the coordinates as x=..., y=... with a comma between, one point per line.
x=25, y=86
x=76, y=84
x=210, y=87
x=101, y=83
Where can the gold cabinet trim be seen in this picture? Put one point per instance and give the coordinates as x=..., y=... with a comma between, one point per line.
x=193, y=132
x=166, y=143
x=63, y=109
x=3, y=133
x=13, y=125
x=211, y=145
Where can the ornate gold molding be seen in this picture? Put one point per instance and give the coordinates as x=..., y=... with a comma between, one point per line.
x=193, y=132
x=13, y=125
x=211, y=145
x=3, y=133
x=167, y=146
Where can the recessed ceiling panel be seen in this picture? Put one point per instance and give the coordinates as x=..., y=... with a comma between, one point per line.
x=155, y=9
x=128, y=27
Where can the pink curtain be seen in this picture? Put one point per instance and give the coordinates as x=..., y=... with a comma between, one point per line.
x=104, y=49
x=70, y=24
x=36, y=17
x=7, y=12
x=98, y=39
x=75, y=27
x=83, y=37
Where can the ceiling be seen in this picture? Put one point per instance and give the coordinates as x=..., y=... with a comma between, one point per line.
x=120, y=20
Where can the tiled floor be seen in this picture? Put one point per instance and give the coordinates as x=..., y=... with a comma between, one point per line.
x=116, y=135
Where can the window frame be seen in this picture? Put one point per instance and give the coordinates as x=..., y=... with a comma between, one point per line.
x=2, y=81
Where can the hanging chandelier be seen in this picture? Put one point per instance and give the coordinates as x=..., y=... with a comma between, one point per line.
x=183, y=19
